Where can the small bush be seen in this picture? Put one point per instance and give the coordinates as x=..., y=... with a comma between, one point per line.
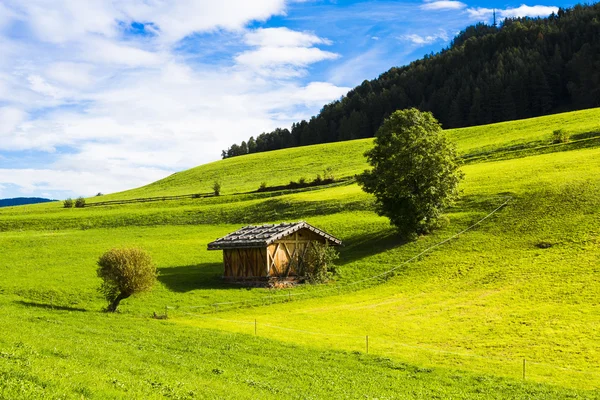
x=68, y=203
x=99, y=194
x=125, y=272
x=328, y=174
x=262, y=187
x=561, y=136
x=80, y=202
x=318, y=180
x=319, y=263
x=217, y=188
x=302, y=181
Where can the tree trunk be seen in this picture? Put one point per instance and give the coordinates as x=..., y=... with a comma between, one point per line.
x=112, y=307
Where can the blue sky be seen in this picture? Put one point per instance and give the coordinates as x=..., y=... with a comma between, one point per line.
x=102, y=96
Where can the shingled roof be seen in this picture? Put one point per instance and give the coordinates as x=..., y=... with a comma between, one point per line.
x=264, y=235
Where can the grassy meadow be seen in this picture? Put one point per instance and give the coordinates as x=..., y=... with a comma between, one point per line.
x=456, y=322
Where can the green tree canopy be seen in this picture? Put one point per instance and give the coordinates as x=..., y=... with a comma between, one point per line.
x=125, y=272
x=415, y=171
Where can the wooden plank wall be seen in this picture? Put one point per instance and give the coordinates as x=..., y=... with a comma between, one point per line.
x=244, y=263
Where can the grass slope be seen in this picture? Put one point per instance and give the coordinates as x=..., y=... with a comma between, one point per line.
x=72, y=354
x=454, y=323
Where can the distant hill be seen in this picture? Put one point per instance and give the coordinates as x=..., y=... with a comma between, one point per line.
x=20, y=201
x=523, y=68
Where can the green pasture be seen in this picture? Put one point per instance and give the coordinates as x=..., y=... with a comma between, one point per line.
x=512, y=135
x=72, y=353
x=455, y=323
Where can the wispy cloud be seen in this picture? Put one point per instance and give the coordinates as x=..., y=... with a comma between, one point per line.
x=425, y=39
x=442, y=5
x=281, y=52
x=283, y=37
x=480, y=13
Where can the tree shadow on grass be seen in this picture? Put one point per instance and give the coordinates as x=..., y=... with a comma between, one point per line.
x=368, y=244
x=191, y=277
x=49, y=306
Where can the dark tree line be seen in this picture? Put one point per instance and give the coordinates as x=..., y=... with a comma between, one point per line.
x=524, y=68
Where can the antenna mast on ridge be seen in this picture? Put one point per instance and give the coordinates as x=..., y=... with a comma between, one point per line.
x=495, y=24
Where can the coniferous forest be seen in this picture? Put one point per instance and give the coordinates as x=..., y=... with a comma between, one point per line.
x=524, y=67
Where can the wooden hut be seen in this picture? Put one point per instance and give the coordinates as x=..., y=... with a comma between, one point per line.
x=265, y=252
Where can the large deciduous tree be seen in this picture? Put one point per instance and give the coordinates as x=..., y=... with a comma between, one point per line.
x=415, y=172
x=125, y=272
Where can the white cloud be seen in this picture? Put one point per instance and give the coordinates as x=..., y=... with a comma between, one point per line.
x=283, y=53
x=314, y=94
x=77, y=75
x=178, y=19
x=421, y=40
x=485, y=14
x=277, y=56
x=480, y=13
x=528, y=11
x=282, y=37
x=39, y=85
x=442, y=5
x=32, y=181
x=69, y=20
x=109, y=52
x=66, y=20
x=10, y=119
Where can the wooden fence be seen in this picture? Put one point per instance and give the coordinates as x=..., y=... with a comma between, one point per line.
x=150, y=199
x=268, y=193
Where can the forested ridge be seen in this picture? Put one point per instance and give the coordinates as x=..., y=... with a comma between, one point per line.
x=21, y=201
x=525, y=67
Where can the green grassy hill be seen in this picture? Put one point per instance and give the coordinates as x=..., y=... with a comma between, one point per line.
x=454, y=323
